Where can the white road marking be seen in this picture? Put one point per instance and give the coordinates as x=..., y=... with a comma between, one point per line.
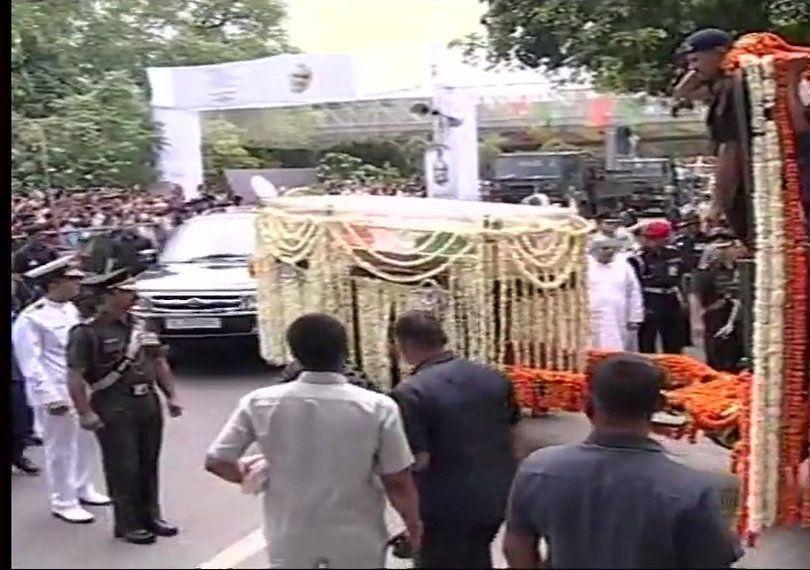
x=238, y=552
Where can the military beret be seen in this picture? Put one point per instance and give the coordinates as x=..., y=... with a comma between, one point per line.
x=704, y=40
x=660, y=229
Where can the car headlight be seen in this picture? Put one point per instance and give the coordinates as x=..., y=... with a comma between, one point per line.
x=249, y=302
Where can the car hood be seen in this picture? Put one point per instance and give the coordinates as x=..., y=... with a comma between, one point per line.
x=182, y=277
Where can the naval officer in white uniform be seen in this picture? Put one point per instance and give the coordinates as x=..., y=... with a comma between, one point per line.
x=40, y=336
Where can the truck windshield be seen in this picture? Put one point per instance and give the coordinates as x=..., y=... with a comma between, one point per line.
x=211, y=238
x=508, y=167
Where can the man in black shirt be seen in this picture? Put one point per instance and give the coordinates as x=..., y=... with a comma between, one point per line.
x=659, y=269
x=458, y=418
x=727, y=122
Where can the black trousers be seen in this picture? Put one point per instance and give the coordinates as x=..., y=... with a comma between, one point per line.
x=130, y=444
x=22, y=420
x=668, y=326
x=453, y=546
x=722, y=354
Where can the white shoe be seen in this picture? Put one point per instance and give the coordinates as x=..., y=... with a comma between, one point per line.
x=73, y=515
x=93, y=497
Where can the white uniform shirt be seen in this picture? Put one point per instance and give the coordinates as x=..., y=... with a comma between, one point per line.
x=326, y=443
x=40, y=336
x=615, y=301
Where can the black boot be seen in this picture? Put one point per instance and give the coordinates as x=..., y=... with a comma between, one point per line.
x=137, y=536
x=25, y=465
x=162, y=528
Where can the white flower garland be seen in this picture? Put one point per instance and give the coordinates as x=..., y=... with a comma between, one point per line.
x=769, y=297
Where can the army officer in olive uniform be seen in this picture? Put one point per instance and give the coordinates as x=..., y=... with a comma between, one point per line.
x=120, y=364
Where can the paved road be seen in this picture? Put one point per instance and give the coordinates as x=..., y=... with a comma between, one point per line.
x=219, y=524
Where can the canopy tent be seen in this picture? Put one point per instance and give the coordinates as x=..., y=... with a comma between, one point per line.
x=314, y=100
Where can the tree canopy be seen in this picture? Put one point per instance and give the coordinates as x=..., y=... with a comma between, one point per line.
x=80, y=113
x=626, y=45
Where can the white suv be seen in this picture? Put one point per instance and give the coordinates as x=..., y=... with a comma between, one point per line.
x=200, y=286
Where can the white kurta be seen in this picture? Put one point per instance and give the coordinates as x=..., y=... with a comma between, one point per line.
x=615, y=302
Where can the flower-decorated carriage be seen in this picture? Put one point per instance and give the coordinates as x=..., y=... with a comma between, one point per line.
x=507, y=281
x=509, y=284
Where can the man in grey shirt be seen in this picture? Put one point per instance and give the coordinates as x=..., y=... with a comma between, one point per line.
x=616, y=500
x=334, y=451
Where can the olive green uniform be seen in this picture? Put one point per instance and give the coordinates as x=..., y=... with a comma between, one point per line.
x=130, y=409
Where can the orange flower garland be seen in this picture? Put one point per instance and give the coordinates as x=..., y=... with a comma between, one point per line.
x=741, y=454
x=795, y=403
x=712, y=399
x=761, y=44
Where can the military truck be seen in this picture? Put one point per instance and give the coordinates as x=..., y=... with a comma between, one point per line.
x=558, y=175
x=641, y=184
x=646, y=185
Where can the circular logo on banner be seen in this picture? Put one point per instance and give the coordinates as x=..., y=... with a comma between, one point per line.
x=300, y=78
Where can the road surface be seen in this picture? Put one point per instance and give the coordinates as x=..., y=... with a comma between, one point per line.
x=220, y=526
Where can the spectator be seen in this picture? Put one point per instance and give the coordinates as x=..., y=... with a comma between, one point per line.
x=458, y=417
x=326, y=442
x=616, y=500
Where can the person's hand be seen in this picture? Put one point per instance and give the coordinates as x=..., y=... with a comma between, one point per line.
x=414, y=533
x=716, y=213
x=175, y=409
x=90, y=421
x=57, y=408
x=633, y=326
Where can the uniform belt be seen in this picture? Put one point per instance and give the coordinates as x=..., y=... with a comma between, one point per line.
x=660, y=290
x=141, y=389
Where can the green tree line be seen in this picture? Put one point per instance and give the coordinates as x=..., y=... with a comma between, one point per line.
x=80, y=101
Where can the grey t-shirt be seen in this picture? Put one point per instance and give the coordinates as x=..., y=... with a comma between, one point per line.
x=326, y=442
x=619, y=502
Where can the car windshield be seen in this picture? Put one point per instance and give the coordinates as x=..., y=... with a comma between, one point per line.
x=211, y=239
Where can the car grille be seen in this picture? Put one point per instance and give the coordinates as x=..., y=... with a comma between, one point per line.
x=176, y=304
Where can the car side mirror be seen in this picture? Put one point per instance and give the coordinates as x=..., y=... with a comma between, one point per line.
x=148, y=256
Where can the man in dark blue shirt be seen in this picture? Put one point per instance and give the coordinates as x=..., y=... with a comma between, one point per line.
x=458, y=417
x=616, y=500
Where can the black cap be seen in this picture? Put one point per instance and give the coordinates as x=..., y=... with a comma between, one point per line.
x=704, y=40
x=117, y=279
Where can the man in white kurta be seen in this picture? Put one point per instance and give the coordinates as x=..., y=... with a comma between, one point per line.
x=40, y=336
x=616, y=302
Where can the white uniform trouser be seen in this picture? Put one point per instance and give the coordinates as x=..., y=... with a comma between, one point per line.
x=71, y=454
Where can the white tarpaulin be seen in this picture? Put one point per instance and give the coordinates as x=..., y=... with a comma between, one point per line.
x=180, y=93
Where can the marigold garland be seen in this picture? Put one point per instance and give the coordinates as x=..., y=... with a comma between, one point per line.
x=795, y=402
x=775, y=431
x=712, y=399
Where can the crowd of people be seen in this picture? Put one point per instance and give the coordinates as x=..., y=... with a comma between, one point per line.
x=653, y=284
x=439, y=446
x=442, y=444
x=66, y=217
